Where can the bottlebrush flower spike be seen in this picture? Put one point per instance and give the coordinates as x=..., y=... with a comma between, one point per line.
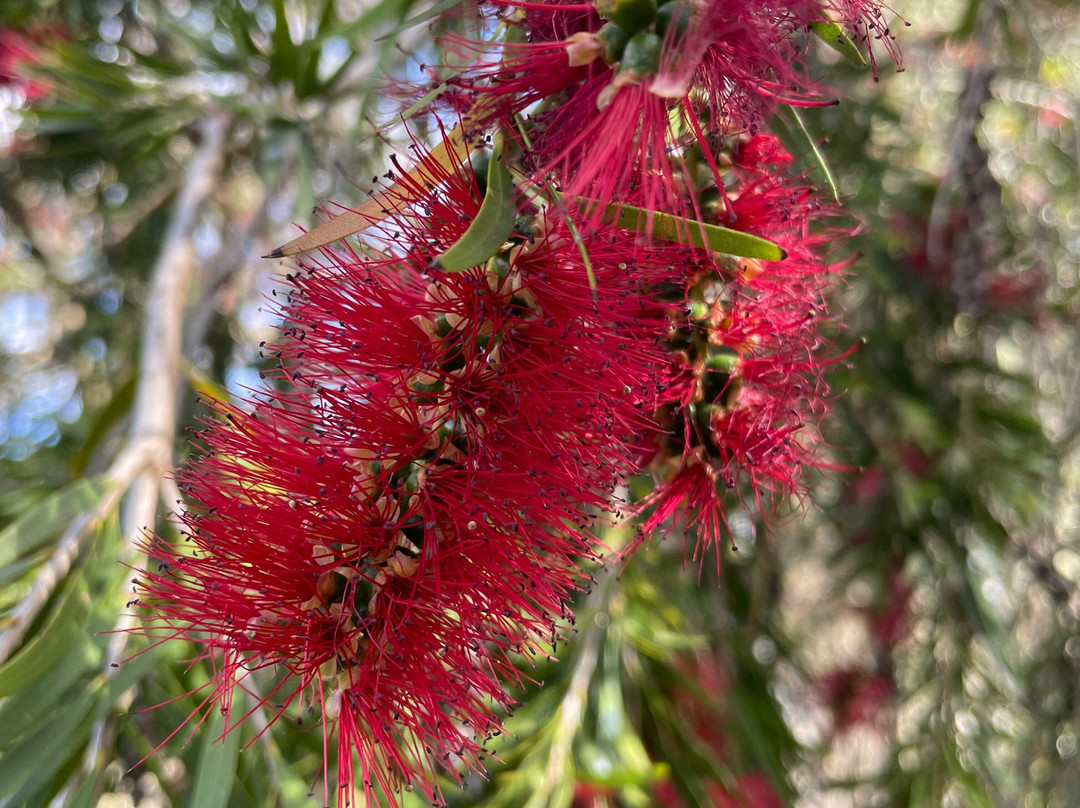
x=411, y=514
x=746, y=385
x=623, y=92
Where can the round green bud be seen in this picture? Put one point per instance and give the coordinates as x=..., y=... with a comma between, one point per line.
x=614, y=38
x=642, y=54
x=722, y=358
x=676, y=12
x=630, y=15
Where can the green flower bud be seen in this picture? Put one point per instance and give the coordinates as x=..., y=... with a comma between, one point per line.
x=630, y=15
x=677, y=13
x=642, y=54
x=614, y=38
x=722, y=358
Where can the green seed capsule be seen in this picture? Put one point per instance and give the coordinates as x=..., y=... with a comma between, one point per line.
x=722, y=359
x=630, y=15
x=699, y=309
x=642, y=54
x=677, y=12
x=614, y=39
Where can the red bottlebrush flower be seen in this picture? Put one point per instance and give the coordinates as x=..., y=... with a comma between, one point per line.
x=857, y=697
x=760, y=150
x=413, y=509
x=867, y=20
x=747, y=386
x=1017, y=291
x=665, y=792
x=19, y=51
x=621, y=99
x=893, y=622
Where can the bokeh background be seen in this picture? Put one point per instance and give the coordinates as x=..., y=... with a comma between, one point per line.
x=908, y=635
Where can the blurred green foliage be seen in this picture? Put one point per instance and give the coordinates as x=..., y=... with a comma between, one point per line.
x=911, y=640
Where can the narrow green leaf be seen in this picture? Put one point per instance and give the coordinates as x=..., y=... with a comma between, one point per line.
x=95, y=581
x=283, y=64
x=202, y=384
x=117, y=407
x=819, y=158
x=423, y=103
x=430, y=14
x=493, y=223
x=328, y=18
x=372, y=17
x=836, y=38
x=35, y=527
x=28, y=772
x=12, y=572
x=34, y=762
x=50, y=644
x=87, y=793
x=217, y=765
x=696, y=234
x=39, y=701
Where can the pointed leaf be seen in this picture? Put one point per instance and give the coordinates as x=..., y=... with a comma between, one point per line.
x=202, y=384
x=116, y=408
x=35, y=761
x=283, y=63
x=433, y=12
x=697, y=234
x=217, y=765
x=836, y=38
x=39, y=700
x=493, y=224
x=35, y=527
x=819, y=158
x=449, y=154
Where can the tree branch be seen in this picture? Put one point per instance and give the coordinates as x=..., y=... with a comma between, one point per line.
x=138, y=468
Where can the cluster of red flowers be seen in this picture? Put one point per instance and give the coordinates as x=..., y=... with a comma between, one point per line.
x=389, y=536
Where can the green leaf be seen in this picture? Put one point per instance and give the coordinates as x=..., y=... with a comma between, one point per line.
x=424, y=102
x=36, y=703
x=14, y=571
x=217, y=765
x=372, y=17
x=493, y=223
x=835, y=37
x=697, y=234
x=49, y=645
x=819, y=158
x=35, y=761
x=430, y=14
x=86, y=795
x=202, y=384
x=116, y=408
x=283, y=61
x=94, y=582
x=35, y=527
